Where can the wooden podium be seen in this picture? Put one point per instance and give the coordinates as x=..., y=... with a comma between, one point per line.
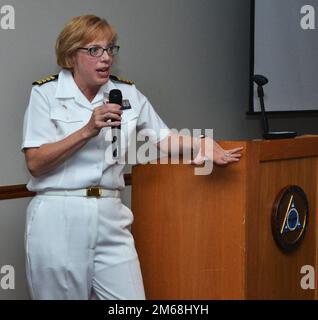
x=210, y=237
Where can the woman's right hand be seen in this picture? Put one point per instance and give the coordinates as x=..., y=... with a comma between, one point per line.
x=107, y=115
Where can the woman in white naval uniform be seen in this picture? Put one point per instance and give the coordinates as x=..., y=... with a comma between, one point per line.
x=78, y=240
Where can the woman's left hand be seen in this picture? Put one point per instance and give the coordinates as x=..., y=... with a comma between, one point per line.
x=211, y=150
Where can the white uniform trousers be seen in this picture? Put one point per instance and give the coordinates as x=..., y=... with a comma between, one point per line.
x=81, y=248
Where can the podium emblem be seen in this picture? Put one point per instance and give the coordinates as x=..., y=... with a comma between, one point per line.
x=290, y=218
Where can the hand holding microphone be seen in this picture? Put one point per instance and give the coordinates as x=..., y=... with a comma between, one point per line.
x=115, y=97
x=107, y=115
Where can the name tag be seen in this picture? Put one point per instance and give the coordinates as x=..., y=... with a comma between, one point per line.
x=125, y=105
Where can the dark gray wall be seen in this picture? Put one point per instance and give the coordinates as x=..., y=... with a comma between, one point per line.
x=12, y=246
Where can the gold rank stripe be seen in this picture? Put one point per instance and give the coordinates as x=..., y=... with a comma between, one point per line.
x=122, y=80
x=46, y=80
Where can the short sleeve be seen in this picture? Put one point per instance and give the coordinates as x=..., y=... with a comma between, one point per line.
x=149, y=123
x=38, y=128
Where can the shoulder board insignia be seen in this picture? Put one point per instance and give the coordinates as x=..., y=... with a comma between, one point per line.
x=121, y=80
x=46, y=80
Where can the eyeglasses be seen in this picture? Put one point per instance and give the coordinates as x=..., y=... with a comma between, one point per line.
x=97, y=51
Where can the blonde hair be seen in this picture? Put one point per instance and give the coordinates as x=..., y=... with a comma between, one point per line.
x=77, y=33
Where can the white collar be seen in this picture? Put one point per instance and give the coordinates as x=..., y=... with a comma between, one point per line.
x=67, y=88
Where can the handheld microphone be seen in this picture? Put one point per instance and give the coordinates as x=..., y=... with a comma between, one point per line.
x=116, y=97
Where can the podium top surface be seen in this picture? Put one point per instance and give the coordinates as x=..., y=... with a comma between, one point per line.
x=268, y=150
x=299, y=147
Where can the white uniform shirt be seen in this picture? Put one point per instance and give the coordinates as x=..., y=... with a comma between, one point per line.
x=58, y=108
